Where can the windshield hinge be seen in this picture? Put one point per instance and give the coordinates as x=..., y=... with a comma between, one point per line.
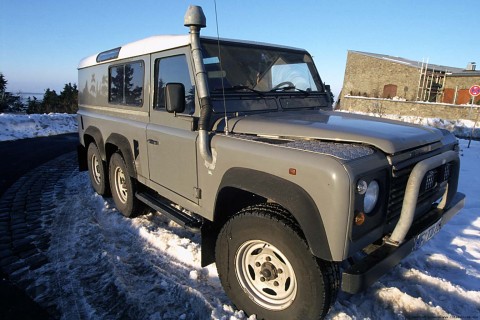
x=197, y=192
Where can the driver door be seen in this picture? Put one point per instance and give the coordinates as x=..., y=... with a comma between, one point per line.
x=171, y=139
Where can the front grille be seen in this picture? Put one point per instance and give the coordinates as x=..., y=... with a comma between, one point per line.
x=446, y=171
x=430, y=179
x=395, y=198
x=429, y=188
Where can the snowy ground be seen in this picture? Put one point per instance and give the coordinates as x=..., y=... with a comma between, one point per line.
x=106, y=266
x=14, y=126
x=461, y=128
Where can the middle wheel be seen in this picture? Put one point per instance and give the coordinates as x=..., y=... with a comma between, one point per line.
x=123, y=187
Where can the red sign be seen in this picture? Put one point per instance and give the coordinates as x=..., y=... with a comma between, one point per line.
x=474, y=90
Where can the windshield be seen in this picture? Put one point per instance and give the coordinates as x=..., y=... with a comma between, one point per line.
x=259, y=68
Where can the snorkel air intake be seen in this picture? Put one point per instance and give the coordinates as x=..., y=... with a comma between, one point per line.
x=195, y=20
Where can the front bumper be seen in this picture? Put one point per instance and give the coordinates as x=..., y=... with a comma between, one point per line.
x=366, y=271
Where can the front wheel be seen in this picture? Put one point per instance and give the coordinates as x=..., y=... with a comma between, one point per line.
x=123, y=188
x=267, y=269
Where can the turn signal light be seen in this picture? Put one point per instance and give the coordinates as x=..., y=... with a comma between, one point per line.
x=360, y=218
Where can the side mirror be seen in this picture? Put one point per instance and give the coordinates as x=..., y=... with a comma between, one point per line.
x=329, y=92
x=175, y=97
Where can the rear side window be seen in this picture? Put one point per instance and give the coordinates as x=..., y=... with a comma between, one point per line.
x=125, y=84
x=173, y=70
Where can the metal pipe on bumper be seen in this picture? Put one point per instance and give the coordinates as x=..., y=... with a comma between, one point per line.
x=413, y=187
x=405, y=238
x=368, y=270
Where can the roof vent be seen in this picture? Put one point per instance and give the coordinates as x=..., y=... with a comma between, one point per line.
x=471, y=66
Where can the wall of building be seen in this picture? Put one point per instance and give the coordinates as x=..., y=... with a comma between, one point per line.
x=457, y=89
x=368, y=76
x=462, y=82
x=409, y=108
x=384, y=78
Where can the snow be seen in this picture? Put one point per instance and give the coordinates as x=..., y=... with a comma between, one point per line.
x=14, y=126
x=103, y=265
x=462, y=128
x=107, y=266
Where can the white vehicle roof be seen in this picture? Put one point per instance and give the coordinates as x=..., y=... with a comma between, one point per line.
x=156, y=44
x=141, y=47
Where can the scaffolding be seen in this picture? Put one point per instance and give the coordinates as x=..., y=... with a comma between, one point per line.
x=430, y=83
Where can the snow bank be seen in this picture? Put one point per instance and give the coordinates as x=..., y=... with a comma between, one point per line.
x=461, y=128
x=14, y=126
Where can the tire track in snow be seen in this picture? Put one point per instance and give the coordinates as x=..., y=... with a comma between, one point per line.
x=108, y=266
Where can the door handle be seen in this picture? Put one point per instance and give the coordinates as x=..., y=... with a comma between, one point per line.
x=154, y=142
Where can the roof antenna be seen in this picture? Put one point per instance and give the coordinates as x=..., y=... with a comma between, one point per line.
x=221, y=71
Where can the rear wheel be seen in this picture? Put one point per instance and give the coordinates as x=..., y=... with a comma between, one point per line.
x=123, y=188
x=97, y=170
x=267, y=269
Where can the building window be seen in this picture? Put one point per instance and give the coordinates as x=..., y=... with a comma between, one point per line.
x=125, y=84
x=173, y=70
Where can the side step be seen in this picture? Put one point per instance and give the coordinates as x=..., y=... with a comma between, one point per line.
x=185, y=220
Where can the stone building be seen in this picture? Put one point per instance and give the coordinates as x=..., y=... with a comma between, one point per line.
x=457, y=85
x=382, y=76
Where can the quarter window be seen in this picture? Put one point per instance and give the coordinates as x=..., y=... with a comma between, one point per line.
x=126, y=84
x=173, y=70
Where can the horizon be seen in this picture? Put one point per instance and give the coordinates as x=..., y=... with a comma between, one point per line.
x=61, y=35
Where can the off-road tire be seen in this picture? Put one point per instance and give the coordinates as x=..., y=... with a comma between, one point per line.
x=241, y=264
x=123, y=188
x=97, y=171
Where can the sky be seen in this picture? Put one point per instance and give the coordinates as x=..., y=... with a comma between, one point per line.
x=41, y=42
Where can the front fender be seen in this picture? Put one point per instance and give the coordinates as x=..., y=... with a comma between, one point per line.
x=289, y=195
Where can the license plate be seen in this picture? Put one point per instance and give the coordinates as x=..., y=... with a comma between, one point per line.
x=428, y=234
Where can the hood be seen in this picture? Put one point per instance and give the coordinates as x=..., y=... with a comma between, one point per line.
x=390, y=136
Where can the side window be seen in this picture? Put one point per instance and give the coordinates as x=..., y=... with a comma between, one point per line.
x=125, y=84
x=173, y=70
x=116, y=84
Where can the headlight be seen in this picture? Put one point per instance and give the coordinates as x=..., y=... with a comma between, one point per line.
x=371, y=196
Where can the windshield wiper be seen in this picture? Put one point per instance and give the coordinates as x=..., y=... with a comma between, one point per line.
x=286, y=88
x=239, y=88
